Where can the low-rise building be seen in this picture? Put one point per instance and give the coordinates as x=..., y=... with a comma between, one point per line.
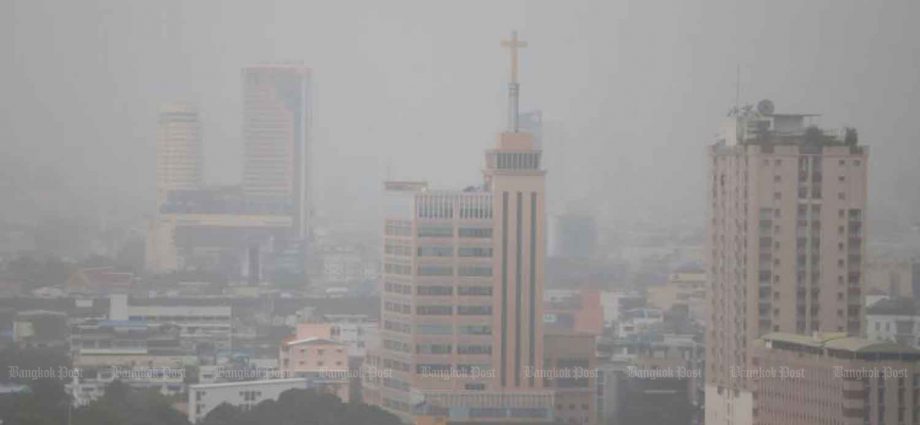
x=199, y=323
x=573, y=311
x=569, y=367
x=647, y=370
x=140, y=354
x=203, y=398
x=616, y=303
x=312, y=353
x=894, y=319
x=351, y=330
x=40, y=329
x=685, y=289
x=637, y=321
x=834, y=379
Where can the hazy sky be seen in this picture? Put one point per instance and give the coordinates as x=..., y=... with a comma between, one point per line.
x=634, y=91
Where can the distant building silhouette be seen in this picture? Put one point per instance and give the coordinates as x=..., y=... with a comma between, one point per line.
x=179, y=149
x=277, y=106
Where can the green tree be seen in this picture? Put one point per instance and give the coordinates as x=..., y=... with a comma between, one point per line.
x=302, y=407
x=45, y=401
x=123, y=405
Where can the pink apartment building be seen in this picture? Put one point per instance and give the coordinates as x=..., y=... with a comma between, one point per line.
x=786, y=243
x=313, y=354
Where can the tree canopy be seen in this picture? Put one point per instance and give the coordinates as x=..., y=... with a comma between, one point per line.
x=302, y=407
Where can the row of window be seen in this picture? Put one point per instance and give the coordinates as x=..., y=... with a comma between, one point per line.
x=398, y=229
x=394, y=249
x=395, y=345
x=448, y=349
x=397, y=307
x=441, y=329
x=448, y=251
x=447, y=231
x=397, y=288
x=447, y=310
x=802, y=161
x=400, y=269
x=448, y=270
x=435, y=290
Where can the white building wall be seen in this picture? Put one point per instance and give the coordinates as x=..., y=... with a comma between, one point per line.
x=728, y=407
x=881, y=327
x=205, y=397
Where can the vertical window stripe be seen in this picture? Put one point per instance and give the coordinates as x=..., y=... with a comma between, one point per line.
x=533, y=281
x=517, y=292
x=504, y=306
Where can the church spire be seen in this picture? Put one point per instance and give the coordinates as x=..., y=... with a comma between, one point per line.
x=513, y=87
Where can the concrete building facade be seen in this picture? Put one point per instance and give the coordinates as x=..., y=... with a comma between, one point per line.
x=834, y=379
x=786, y=241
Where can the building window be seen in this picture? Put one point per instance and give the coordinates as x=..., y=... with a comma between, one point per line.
x=473, y=251
x=434, y=310
x=435, y=290
x=434, y=231
x=474, y=290
x=429, y=270
x=428, y=329
x=433, y=348
x=474, y=329
x=474, y=349
x=474, y=271
x=474, y=310
x=435, y=251
x=475, y=232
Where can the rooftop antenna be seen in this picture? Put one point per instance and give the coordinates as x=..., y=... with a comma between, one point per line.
x=737, y=88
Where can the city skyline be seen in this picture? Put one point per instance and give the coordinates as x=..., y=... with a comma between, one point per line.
x=613, y=117
x=523, y=212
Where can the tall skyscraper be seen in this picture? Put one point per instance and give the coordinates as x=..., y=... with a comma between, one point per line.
x=786, y=243
x=276, y=130
x=462, y=319
x=179, y=149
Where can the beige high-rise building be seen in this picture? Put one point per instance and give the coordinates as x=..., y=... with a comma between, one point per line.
x=277, y=113
x=179, y=149
x=786, y=243
x=462, y=319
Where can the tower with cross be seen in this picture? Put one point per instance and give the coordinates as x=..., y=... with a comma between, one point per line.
x=513, y=45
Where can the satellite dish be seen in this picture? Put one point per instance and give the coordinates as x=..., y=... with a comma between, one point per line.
x=765, y=107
